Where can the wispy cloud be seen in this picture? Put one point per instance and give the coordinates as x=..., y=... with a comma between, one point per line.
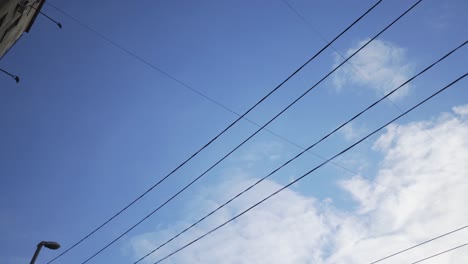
x=381, y=67
x=352, y=132
x=425, y=165
x=270, y=151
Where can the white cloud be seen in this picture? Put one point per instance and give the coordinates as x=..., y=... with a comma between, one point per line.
x=351, y=132
x=425, y=165
x=461, y=110
x=252, y=238
x=266, y=151
x=381, y=66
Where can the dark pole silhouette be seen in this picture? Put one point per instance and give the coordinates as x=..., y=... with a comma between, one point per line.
x=48, y=244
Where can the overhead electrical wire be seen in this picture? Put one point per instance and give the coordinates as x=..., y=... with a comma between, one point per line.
x=147, y=63
x=309, y=172
x=142, y=60
x=252, y=135
x=118, y=46
x=185, y=85
x=363, y=76
x=420, y=244
x=301, y=17
x=440, y=253
x=304, y=151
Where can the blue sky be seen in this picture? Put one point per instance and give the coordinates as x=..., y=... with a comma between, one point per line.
x=90, y=127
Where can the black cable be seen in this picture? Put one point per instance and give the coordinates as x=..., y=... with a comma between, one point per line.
x=301, y=153
x=420, y=244
x=251, y=136
x=301, y=17
x=309, y=172
x=108, y=40
x=213, y=139
x=182, y=83
x=440, y=253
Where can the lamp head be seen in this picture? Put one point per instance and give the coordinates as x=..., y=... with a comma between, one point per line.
x=50, y=244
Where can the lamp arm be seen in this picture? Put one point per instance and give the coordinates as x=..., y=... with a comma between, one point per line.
x=38, y=249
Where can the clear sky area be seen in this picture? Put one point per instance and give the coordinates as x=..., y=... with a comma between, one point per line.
x=126, y=91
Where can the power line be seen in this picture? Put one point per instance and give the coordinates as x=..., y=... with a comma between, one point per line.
x=147, y=63
x=255, y=133
x=301, y=17
x=420, y=244
x=301, y=153
x=118, y=46
x=207, y=144
x=115, y=44
x=440, y=253
x=309, y=172
x=251, y=136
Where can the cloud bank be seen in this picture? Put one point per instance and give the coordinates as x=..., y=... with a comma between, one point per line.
x=421, y=193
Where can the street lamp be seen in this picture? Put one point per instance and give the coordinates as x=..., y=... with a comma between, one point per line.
x=48, y=244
